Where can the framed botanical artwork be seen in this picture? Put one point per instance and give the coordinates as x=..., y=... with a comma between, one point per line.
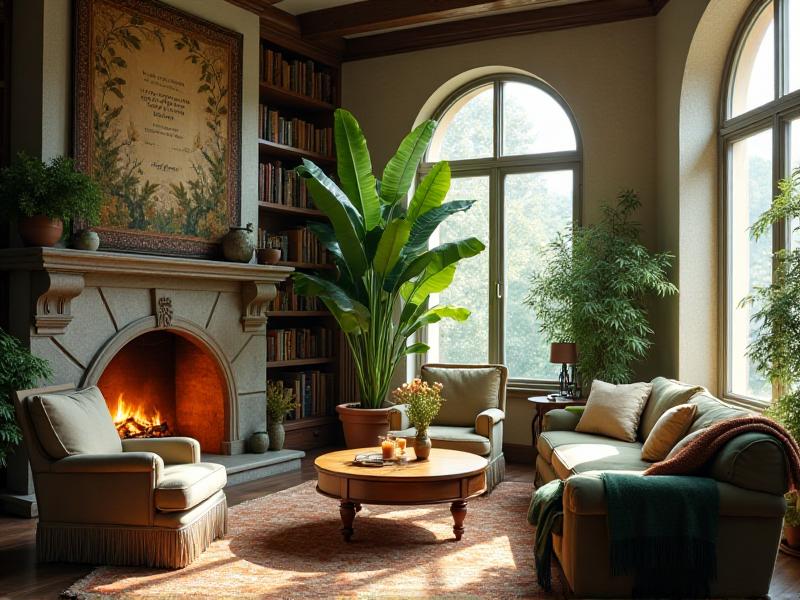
x=158, y=124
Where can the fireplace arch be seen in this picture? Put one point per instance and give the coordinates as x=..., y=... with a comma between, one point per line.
x=191, y=343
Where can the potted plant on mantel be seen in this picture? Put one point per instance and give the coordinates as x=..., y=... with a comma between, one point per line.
x=592, y=288
x=41, y=197
x=386, y=272
x=775, y=349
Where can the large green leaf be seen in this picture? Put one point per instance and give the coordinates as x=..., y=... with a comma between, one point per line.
x=346, y=223
x=327, y=238
x=431, y=191
x=436, y=314
x=352, y=316
x=418, y=348
x=392, y=242
x=440, y=256
x=354, y=167
x=427, y=223
x=431, y=282
x=401, y=168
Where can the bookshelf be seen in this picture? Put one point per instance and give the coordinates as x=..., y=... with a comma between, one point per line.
x=304, y=345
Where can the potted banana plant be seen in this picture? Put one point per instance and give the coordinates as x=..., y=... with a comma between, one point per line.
x=386, y=272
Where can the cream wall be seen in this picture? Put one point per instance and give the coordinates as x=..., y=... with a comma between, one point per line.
x=42, y=55
x=606, y=73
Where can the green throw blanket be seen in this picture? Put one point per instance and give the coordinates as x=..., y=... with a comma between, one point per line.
x=663, y=532
x=546, y=513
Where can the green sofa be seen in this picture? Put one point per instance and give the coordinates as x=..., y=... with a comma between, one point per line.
x=751, y=474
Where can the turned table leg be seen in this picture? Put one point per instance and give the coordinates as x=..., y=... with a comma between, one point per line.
x=347, y=510
x=459, y=511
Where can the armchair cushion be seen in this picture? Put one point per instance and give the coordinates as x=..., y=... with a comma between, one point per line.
x=76, y=422
x=119, y=462
x=453, y=438
x=468, y=391
x=486, y=420
x=184, y=486
x=173, y=450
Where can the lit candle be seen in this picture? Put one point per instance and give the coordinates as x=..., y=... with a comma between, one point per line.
x=401, y=443
x=387, y=447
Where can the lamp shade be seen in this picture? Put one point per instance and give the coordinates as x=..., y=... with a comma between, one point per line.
x=563, y=353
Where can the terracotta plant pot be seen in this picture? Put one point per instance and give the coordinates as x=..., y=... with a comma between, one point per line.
x=362, y=426
x=792, y=534
x=268, y=256
x=39, y=230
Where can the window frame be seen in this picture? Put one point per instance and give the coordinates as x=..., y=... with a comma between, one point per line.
x=496, y=168
x=774, y=116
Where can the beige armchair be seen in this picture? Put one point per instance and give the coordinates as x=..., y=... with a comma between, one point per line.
x=102, y=500
x=472, y=417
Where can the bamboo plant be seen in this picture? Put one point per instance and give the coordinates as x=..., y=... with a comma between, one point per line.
x=386, y=272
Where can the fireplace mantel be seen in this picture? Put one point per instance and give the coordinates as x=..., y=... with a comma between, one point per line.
x=59, y=275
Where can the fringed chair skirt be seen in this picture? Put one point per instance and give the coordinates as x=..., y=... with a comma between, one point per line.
x=158, y=546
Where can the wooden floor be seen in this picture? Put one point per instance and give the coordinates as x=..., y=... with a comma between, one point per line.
x=22, y=577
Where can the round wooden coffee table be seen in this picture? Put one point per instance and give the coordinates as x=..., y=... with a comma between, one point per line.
x=447, y=476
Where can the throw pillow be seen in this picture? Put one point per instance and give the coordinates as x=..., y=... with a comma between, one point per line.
x=684, y=442
x=668, y=431
x=666, y=394
x=614, y=410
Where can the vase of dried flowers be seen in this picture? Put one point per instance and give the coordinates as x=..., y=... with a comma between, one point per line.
x=423, y=402
x=280, y=401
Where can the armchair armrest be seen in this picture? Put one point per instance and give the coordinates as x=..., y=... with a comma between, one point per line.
x=560, y=419
x=398, y=418
x=173, y=450
x=485, y=421
x=123, y=462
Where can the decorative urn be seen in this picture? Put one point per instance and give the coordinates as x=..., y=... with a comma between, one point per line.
x=238, y=244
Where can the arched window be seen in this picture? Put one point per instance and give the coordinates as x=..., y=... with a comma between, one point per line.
x=760, y=133
x=513, y=147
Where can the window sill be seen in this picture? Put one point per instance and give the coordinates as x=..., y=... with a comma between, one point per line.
x=532, y=386
x=758, y=406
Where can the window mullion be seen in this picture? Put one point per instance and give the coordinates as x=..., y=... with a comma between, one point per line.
x=496, y=274
x=781, y=39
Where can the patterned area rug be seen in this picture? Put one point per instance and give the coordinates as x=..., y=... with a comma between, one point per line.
x=288, y=545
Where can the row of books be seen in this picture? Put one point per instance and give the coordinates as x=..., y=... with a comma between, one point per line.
x=294, y=132
x=278, y=185
x=314, y=391
x=299, y=76
x=298, y=343
x=287, y=299
x=296, y=245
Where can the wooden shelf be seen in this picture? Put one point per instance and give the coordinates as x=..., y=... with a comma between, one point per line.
x=288, y=99
x=303, y=265
x=295, y=211
x=299, y=362
x=298, y=313
x=308, y=422
x=283, y=151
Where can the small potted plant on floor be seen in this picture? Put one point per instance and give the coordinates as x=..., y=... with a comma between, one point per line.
x=19, y=370
x=386, y=272
x=423, y=402
x=280, y=401
x=43, y=196
x=775, y=349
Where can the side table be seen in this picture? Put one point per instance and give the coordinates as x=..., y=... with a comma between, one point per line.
x=542, y=405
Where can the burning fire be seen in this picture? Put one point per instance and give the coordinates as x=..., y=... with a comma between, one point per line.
x=133, y=421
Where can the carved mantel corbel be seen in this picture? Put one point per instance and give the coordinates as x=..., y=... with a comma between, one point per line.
x=53, y=292
x=256, y=296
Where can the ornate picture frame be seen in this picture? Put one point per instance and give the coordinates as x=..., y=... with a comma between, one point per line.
x=158, y=103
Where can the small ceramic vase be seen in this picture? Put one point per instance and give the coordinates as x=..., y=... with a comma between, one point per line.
x=277, y=436
x=268, y=256
x=238, y=244
x=422, y=446
x=86, y=239
x=258, y=443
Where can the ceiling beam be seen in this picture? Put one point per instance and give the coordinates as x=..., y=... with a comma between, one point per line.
x=564, y=16
x=255, y=6
x=377, y=15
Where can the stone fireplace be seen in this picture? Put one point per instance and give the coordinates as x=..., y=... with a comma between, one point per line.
x=174, y=340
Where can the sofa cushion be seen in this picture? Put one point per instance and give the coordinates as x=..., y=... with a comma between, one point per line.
x=665, y=394
x=710, y=410
x=467, y=390
x=669, y=430
x=452, y=438
x=549, y=440
x=571, y=459
x=76, y=422
x=614, y=410
x=183, y=486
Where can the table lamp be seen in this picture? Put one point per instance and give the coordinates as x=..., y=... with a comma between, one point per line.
x=565, y=354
